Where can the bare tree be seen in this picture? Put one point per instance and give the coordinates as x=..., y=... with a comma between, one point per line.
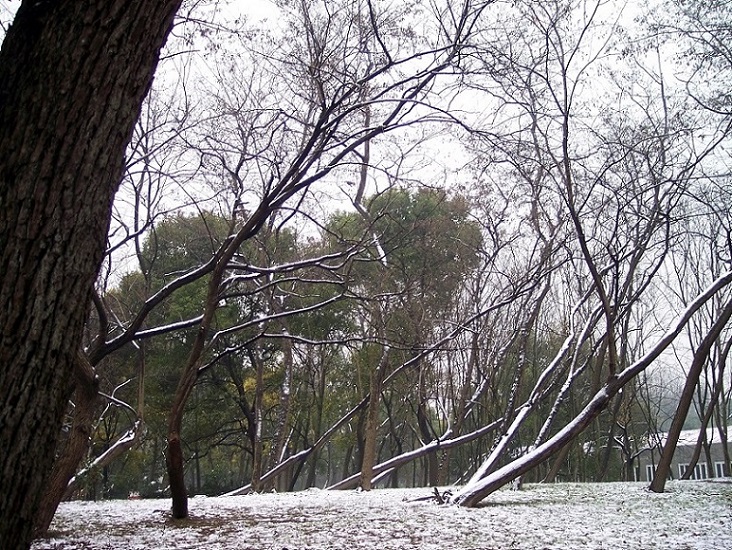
x=334, y=97
x=474, y=493
x=619, y=186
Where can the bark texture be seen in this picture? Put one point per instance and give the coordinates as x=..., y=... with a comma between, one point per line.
x=72, y=78
x=85, y=401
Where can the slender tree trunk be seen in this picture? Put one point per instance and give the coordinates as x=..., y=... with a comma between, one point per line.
x=722, y=430
x=258, y=445
x=372, y=422
x=347, y=457
x=174, y=457
x=77, y=445
x=473, y=493
x=720, y=411
x=465, y=404
x=558, y=463
x=72, y=78
x=701, y=440
x=425, y=431
x=658, y=484
x=318, y=425
x=281, y=433
x=192, y=368
x=607, y=451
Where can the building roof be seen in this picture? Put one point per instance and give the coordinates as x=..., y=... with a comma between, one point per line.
x=689, y=437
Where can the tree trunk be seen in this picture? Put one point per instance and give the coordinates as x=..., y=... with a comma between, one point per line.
x=557, y=464
x=658, y=484
x=473, y=493
x=701, y=440
x=72, y=78
x=174, y=457
x=720, y=414
x=64, y=476
x=372, y=422
x=258, y=446
x=426, y=432
x=722, y=430
x=607, y=451
x=281, y=433
x=77, y=445
x=318, y=425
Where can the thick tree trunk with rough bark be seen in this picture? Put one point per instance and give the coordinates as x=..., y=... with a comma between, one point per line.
x=72, y=78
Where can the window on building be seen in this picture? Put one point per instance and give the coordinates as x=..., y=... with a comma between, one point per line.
x=719, y=469
x=700, y=471
x=649, y=472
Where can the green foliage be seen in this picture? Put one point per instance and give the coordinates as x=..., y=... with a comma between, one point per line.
x=429, y=241
x=180, y=243
x=426, y=245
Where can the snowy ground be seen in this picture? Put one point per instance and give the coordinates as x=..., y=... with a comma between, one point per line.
x=691, y=515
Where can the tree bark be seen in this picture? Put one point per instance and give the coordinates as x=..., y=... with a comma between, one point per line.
x=658, y=484
x=425, y=430
x=85, y=401
x=372, y=422
x=174, y=456
x=64, y=477
x=72, y=78
x=257, y=446
x=281, y=433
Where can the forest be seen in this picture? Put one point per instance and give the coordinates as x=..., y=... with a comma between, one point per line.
x=411, y=244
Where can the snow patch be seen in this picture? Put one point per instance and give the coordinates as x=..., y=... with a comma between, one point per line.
x=691, y=515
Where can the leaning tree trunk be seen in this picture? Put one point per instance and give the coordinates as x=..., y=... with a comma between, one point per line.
x=72, y=78
x=77, y=445
x=65, y=476
x=701, y=440
x=658, y=483
x=174, y=459
x=473, y=493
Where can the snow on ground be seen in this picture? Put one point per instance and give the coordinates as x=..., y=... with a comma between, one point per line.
x=690, y=515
